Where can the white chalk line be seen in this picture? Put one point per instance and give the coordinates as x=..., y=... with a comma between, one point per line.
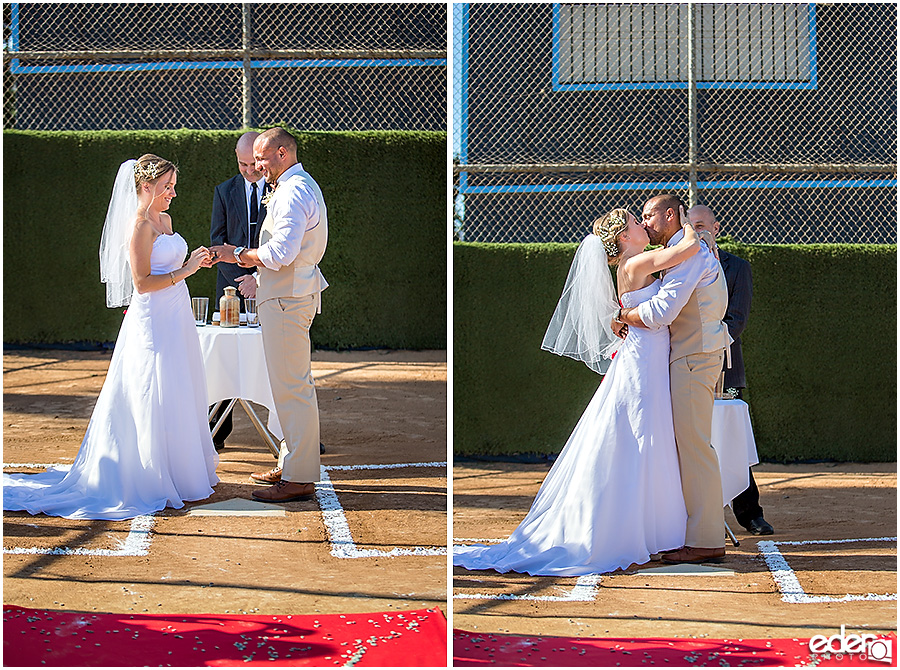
x=861, y=539
x=584, y=591
x=58, y=466
x=387, y=466
x=136, y=543
x=788, y=583
x=339, y=534
x=342, y=543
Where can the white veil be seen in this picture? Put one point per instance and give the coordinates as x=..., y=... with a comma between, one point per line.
x=115, y=267
x=580, y=327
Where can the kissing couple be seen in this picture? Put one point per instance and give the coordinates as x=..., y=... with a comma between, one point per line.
x=637, y=476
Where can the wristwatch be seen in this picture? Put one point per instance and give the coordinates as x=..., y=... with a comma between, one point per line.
x=237, y=253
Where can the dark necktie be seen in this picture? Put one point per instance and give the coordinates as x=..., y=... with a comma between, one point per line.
x=254, y=204
x=254, y=214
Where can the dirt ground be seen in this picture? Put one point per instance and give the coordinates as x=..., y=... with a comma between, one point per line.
x=376, y=407
x=383, y=407
x=810, y=503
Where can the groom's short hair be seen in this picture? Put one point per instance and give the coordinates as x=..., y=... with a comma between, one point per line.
x=669, y=200
x=280, y=137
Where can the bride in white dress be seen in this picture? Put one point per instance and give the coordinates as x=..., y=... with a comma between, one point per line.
x=613, y=497
x=147, y=445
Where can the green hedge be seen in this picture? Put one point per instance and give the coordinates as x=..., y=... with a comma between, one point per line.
x=820, y=351
x=386, y=259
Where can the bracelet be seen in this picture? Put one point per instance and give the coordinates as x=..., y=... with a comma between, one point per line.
x=172, y=277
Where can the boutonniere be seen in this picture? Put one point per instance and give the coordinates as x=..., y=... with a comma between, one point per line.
x=267, y=198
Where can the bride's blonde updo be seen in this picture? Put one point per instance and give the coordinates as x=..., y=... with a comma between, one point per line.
x=149, y=168
x=608, y=227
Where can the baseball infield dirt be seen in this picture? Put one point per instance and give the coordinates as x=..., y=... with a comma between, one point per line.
x=828, y=550
x=379, y=409
x=383, y=409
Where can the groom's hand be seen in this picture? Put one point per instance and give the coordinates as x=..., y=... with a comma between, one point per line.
x=223, y=253
x=630, y=317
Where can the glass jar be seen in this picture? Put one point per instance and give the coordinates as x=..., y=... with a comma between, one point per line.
x=229, y=308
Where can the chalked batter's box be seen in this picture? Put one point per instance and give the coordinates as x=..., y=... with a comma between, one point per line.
x=832, y=561
x=373, y=538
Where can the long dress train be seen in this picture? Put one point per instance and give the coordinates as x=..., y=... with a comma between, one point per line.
x=613, y=496
x=147, y=445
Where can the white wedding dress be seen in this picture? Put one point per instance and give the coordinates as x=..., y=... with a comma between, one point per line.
x=147, y=445
x=613, y=496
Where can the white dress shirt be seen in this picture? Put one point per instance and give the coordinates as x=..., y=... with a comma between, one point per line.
x=678, y=284
x=295, y=212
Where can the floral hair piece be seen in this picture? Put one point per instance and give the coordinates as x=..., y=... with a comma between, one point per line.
x=615, y=224
x=147, y=172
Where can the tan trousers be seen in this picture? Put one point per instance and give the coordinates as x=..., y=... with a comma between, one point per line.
x=285, y=326
x=692, y=381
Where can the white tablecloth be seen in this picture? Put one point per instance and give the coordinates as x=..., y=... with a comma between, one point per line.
x=732, y=438
x=236, y=368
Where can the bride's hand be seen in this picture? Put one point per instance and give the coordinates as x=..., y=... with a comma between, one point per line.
x=200, y=258
x=710, y=240
x=690, y=233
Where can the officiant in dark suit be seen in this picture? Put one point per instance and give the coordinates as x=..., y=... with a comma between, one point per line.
x=739, y=279
x=237, y=215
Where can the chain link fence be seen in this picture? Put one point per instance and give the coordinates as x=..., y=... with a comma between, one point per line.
x=312, y=66
x=780, y=117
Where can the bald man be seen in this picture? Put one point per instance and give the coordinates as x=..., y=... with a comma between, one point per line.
x=237, y=215
x=746, y=506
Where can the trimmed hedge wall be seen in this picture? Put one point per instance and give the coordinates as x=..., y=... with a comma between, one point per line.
x=386, y=261
x=820, y=351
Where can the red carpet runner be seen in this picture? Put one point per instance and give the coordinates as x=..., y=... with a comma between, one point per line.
x=63, y=638
x=478, y=649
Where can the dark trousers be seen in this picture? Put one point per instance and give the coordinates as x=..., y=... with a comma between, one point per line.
x=746, y=505
x=225, y=430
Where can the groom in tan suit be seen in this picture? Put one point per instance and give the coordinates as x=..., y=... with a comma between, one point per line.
x=291, y=243
x=691, y=301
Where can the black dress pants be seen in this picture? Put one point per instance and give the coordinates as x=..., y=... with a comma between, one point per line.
x=225, y=430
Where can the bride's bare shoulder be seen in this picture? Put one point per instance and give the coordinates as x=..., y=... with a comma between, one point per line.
x=143, y=229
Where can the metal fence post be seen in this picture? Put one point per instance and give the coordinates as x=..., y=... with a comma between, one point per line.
x=245, y=98
x=692, y=107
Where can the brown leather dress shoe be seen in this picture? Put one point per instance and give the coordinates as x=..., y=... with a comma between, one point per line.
x=695, y=555
x=285, y=491
x=273, y=476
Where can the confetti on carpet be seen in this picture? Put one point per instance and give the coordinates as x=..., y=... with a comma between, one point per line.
x=494, y=649
x=67, y=638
